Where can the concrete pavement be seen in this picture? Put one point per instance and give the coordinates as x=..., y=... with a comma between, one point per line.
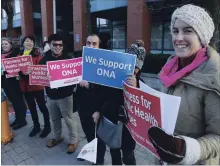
x=33, y=151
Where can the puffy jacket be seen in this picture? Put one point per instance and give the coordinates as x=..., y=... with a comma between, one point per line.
x=199, y=113
x=24, y=80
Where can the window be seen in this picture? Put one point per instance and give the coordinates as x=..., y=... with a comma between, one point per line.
x=17, y=8
x=156, y=36
x=102, y=22
x=119, y=36
x=161, y=40
x=4, y=15
x=167, y=42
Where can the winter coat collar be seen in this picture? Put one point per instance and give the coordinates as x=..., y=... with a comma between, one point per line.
x=207, y=75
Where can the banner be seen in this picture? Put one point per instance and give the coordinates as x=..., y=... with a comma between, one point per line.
x=65, y=72
x=89, y=151
x=39, y=75
x=16, y=64
x=108, y=68
x=143, y=111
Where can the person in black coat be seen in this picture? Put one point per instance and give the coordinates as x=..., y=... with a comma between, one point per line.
x=110, y=102
x=85, y=94
x=12, y=88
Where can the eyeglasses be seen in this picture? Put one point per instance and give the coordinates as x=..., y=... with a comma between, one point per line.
x=55, y=45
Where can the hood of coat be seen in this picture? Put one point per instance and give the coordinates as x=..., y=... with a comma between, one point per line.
x=207, y=75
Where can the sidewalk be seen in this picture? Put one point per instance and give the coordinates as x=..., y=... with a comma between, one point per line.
x=33, y=151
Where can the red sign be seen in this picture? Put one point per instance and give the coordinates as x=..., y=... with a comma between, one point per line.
x=16, y=64
x=143, y=111
x=65, y=72
x=39, y=75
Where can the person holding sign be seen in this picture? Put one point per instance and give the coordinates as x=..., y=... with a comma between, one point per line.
x=193, y=73
x=60, y=100
x=86, y=93
x=110, y=102
x=34, y=92
x=12, y=88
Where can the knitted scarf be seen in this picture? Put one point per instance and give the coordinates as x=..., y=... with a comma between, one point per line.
x=170, y=74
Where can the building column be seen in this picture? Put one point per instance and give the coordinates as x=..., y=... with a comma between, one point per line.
x=138, y=23
x=47, y=18
x=79, y=24
x=27, y=24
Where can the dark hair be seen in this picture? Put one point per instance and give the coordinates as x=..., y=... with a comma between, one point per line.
x=46, y=42
x=28, y=37
x=54, y=37
x=93, y=34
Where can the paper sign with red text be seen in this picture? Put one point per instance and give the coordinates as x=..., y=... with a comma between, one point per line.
x=16, y=64
x=39, y=75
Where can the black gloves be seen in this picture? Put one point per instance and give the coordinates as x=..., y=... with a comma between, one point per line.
x=122, y=115
x=171, y=149
x=20, y=73
x=5, y=72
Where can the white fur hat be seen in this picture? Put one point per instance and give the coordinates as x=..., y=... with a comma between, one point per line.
x=198, y=19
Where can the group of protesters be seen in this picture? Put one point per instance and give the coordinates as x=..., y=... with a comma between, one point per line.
x=193, y=73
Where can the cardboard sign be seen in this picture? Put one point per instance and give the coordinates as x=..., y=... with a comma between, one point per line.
x=65, y=72
x=143, y=111
x=39, y=75
x=16, y=64
x=108, y=68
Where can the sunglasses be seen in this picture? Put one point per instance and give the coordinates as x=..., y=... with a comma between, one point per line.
x=55, y=45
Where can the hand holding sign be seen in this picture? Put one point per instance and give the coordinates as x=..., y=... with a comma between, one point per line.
x=49, y=77
x=96, y=116
x=132, y=81
x=30, y=70
x=84, y=83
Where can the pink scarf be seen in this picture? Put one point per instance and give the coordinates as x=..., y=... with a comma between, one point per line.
x=169, y=74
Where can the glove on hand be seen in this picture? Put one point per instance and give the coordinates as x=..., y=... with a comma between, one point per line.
x=122, y=115
x=5, y=72
x=171, y=149
x=20, y=73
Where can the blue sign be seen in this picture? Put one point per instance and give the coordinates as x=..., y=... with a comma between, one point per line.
x=107, y=67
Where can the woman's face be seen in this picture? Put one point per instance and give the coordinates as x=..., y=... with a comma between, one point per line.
x=28, y=44
x=6, y=46
x=185, y=40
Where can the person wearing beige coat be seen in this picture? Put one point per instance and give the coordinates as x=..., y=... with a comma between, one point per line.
x=193, y=74
x=199, y=113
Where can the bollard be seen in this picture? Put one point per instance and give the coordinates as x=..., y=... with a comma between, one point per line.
x=6, y=133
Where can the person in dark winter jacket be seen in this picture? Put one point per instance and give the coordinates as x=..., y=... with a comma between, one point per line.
x=85, y=94
x=60, y=100
x=110, y=102
x=12, y=88
x=34, y=92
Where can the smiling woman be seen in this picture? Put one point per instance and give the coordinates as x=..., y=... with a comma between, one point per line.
x=193, y=74
x=185, y=39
